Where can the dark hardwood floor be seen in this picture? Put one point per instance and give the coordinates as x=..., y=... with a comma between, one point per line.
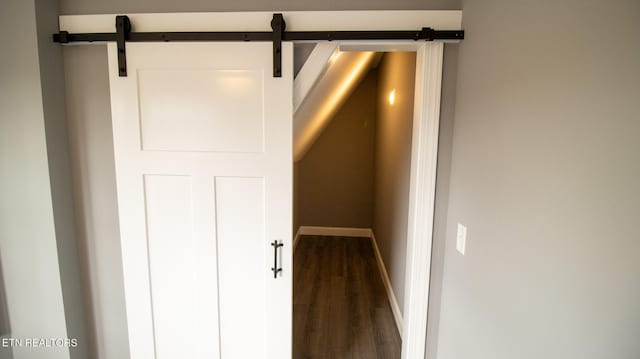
x=340, y=307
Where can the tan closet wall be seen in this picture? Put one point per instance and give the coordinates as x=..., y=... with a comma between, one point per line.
x=393, y=163
x=334, y=180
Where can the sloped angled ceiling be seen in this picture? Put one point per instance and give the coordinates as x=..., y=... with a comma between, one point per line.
x=344, y=72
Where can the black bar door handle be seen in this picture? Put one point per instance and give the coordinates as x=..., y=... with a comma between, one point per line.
x=275, y=268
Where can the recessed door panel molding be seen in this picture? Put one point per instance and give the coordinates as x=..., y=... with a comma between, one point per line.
x=177, y=282
x=241, y=265
x=203, y=152
x=201, y=110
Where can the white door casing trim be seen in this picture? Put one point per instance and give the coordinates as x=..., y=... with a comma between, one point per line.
x=426, y=111
x=422, y=191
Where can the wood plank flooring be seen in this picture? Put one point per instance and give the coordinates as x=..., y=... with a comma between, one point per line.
x=340, y=307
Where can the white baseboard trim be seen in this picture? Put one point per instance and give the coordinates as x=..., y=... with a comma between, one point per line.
x=296, y=239
x=330, y=231
x=358, y=232
x=334, y=231
x=395, y=308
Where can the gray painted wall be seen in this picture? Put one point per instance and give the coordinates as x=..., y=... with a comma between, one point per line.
x=37, y=241
x=74, y=7
x=545, y=169
x=53, y=103
x=5, y=329
x=394, y=127
x=94, y=183
x=334, y=185
x=301, y=53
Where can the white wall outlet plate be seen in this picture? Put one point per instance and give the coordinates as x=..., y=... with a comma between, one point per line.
x=461, y=239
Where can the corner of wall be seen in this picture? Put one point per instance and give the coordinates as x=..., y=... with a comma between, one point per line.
x=53, y=103
x=447, y=115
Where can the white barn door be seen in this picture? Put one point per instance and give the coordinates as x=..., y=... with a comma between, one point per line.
x=202, y=137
